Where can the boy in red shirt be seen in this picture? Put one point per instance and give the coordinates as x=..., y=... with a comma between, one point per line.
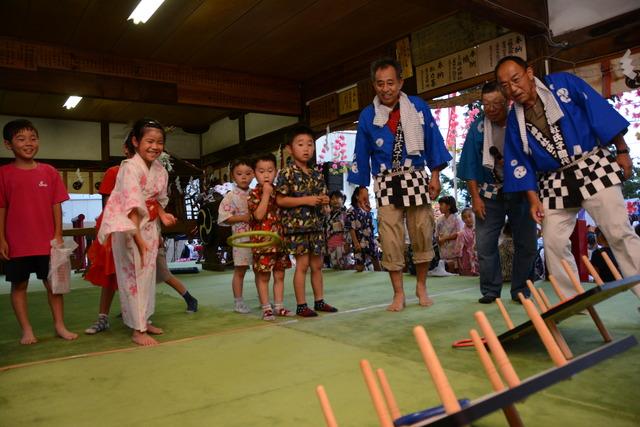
x=31, y=195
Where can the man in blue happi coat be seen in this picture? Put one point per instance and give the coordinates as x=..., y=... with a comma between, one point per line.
x=482, y=167
x=397, y=140
x=564, y=147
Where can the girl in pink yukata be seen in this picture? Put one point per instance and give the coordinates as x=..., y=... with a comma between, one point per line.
x=466, y=242
x=130, y=220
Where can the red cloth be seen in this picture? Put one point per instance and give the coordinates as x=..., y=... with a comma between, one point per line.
x=152, y=208
x=28, y=196
x=109, y=180
x=102, y=269
x=394, y=119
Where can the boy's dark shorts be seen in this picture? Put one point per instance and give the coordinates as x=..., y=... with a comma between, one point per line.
x=305, y=243
x=17, y=270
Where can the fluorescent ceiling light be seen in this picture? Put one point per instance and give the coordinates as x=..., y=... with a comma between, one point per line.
x=144, y=10
x=72, y=102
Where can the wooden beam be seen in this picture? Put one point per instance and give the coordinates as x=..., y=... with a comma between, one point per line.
x=260, y=144
x=88, y=85
x=595, y=42
x=187, y=85
x=104, y=141
x=527, y=17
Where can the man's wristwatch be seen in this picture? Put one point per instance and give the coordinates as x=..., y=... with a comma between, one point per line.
x=624, y=151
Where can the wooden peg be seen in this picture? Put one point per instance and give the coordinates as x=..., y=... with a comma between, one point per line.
x=536, y=296
x=592, y=311
x=543, y=331
x=575, y=281
x=326, y=407
x=388, y=395
x=543, y=295
x=439, y=378
x=376, y=396
x=499, y=355
x=505, y=314
x=612, y=267
x=556, y=288
x=510, y=412
x=592, y=270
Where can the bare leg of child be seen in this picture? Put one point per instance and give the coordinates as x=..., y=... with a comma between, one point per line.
x=175, y=283
x=278, y=294
x=421, y=284
x=236, y=285
x=56, y=303
x=106, y=298
x=398, y=302
x=142, y=338
x=299, y=277
x=19, y=303
x=317, y=284
x=262, y=285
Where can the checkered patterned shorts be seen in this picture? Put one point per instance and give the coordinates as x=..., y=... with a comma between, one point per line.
x=402, y=188
x=566, y=188
x=490, y=191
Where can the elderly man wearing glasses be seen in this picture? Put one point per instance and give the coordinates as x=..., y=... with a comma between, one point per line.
x=482, y=167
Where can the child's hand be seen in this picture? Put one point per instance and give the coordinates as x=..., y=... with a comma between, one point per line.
x=245, y=217
x=267, y=189
x=168, y=219
x=324, y=199
x=4, y=250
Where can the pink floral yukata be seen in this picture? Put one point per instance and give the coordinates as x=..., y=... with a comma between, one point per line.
x=142, y=188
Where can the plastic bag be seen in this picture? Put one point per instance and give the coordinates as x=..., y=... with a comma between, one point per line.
x=60, y=266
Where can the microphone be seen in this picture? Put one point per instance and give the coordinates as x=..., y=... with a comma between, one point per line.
x=495, y=153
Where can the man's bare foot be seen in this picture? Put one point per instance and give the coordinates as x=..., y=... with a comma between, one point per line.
x=423, y=297
x=28, y=338
x=65, y=334
x=153, y=330
x=398, y=303
x=143, y=339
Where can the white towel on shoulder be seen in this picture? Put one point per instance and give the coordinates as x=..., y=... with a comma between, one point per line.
x=412, y=121
x=551, y=108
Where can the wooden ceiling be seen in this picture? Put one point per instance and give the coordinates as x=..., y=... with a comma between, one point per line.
x=196, y=61
x=288, y=41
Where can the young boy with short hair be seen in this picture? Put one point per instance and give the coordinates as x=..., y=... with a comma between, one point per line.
x=302, y=195
x=265, y=216
x=31, y=194
x=233, y=211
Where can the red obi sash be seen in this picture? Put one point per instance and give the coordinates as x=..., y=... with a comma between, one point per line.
x=152, y=207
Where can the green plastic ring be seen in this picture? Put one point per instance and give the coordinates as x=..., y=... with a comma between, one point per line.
x=275, y=239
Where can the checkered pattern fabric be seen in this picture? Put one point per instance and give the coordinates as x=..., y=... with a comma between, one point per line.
x=490, y=191
x=587, y=175
x=402, y=188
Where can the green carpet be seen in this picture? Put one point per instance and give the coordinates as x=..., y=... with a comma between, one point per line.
x=247, y=372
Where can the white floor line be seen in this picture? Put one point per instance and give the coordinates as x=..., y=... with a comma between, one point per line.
x=371, y=307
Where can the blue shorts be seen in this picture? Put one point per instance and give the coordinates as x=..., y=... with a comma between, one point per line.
x=17, y=270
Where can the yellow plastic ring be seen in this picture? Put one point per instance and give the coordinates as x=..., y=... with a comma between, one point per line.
x=275, y=239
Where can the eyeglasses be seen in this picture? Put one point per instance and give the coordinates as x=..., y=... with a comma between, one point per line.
x=493, y=105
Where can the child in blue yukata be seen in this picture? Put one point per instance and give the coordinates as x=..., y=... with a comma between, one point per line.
x=302, y=194
x=360, y=226
x=337, y=236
